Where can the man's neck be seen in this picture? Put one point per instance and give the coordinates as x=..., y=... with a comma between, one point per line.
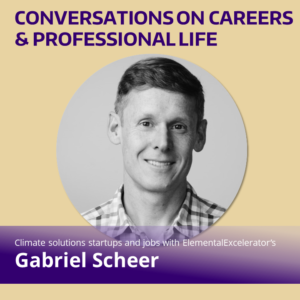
x=148, y=208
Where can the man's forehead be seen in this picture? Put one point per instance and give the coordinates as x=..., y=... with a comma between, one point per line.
x=148, y=98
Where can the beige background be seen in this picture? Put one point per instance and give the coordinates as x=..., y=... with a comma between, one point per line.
x=258, y=65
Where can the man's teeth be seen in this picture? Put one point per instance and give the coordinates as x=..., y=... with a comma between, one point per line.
x=159, y=164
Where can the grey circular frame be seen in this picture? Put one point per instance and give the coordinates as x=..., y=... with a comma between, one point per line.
x=90, y=166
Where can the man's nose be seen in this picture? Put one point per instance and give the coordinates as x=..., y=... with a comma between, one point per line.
x=162, y=139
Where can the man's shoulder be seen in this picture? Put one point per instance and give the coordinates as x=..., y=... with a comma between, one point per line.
x=210, y=208
x=103, y=213
x=203, y=206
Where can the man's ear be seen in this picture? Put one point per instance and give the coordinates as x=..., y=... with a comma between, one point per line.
x=201, y=136
x=114, y=128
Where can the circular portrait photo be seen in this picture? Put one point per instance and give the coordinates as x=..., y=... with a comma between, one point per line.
x=152, y=147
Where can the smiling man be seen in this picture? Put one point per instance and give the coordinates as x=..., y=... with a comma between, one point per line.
x=158, y=121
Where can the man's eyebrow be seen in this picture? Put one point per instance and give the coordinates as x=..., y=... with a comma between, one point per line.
x=181, y=119
x=146, y=116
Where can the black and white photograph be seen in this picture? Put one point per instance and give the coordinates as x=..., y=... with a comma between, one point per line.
x=152, y=147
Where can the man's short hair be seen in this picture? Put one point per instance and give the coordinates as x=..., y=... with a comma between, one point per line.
x=162, y=73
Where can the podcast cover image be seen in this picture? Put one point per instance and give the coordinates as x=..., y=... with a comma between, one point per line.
x=58, y=161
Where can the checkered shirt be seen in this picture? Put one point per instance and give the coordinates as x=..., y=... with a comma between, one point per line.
x=195, y=216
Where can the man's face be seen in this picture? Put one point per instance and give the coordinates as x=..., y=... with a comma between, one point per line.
x=158, y=135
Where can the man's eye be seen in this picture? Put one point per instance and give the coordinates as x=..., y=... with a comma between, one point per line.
x=145, y=123
x=178, y=127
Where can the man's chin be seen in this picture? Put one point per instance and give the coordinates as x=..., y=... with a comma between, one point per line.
x=159, y=186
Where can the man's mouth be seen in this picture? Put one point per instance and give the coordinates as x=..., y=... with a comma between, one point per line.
x=160, y=164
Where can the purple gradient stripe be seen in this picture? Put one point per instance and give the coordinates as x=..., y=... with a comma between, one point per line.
x=176, y=264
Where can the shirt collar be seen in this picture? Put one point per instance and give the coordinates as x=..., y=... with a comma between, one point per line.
x=185, y=222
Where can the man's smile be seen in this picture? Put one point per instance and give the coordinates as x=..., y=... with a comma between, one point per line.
x=159, y=164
